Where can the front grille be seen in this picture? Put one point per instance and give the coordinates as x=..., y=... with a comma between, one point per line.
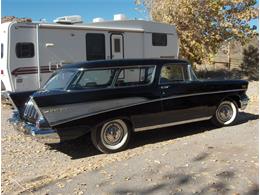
x=30, y=114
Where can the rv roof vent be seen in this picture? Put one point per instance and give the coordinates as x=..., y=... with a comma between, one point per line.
x=119, y=17
x=68, y=19
x=98, y=20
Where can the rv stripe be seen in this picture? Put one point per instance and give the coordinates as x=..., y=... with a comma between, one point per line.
x=33, y=70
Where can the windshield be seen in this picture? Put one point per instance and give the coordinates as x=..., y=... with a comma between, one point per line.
x=60, y=80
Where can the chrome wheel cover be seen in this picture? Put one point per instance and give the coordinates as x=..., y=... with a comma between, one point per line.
x=226, y=112
x=114, y=134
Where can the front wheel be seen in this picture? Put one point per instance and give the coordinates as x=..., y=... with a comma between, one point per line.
x=226, y=114
x=112, y=136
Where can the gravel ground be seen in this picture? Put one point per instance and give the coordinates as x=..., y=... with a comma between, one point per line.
x=186, y=159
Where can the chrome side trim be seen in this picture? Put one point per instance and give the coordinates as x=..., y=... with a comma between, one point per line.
x=142, y=102
x=204, y=93
x=171, y=124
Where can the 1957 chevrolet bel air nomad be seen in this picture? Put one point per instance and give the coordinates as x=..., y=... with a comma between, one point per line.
x=112, y=99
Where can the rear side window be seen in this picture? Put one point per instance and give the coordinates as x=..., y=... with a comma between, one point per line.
x=2, y=50
x=173, y=73
x=24, y=50
x=95, y=46
x=135, y=76
x=59, y=80
x=101, y=78
x=159, y=39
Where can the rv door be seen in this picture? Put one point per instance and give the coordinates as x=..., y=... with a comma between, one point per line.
x=23, y=64
x=117, y=46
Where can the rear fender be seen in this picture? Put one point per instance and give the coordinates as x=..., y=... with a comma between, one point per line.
x=18, y=99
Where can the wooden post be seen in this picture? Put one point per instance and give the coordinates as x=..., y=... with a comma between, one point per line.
x=229, y=59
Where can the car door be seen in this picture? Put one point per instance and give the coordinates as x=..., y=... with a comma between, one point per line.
x=137, y=83
x=181, y=99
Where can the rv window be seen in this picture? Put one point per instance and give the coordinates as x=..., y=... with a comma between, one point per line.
x=24, y=50
x=2, y=50
x=95, y=44
x=135, y=76
x=117, y=45
x=159, y=39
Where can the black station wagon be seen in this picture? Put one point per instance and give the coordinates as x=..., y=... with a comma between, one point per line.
x=112, y=99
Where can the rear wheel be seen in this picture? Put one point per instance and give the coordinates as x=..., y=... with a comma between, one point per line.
x=112, y=136
x=226, y=114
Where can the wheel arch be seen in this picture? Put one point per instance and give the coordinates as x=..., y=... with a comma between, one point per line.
x=233, y=98
x=101, y=120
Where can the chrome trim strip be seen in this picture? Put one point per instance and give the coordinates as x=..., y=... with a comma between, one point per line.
x=171, y=124
x=204, y=93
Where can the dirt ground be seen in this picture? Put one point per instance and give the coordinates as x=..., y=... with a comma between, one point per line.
x=187, y=159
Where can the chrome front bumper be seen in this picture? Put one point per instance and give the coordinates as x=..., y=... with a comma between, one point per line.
x=48, y=136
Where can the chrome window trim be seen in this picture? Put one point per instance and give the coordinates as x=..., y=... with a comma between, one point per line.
x=119, y=68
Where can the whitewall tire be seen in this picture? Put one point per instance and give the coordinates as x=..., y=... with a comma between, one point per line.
x=225, y=114
x=111, y=136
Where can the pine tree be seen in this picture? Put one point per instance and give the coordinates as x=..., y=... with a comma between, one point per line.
x=250, y=65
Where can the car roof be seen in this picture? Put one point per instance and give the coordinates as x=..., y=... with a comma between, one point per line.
x=122, y=63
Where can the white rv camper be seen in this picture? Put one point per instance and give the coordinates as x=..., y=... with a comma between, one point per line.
x=30, y=52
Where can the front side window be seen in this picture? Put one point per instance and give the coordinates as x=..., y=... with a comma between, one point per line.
x=101, y=78
x=95, y=44
x=173, y=73
x=135, y=76
x=24, y=50
x=60, y=80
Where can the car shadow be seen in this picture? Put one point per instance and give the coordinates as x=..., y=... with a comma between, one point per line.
x=82, y=147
